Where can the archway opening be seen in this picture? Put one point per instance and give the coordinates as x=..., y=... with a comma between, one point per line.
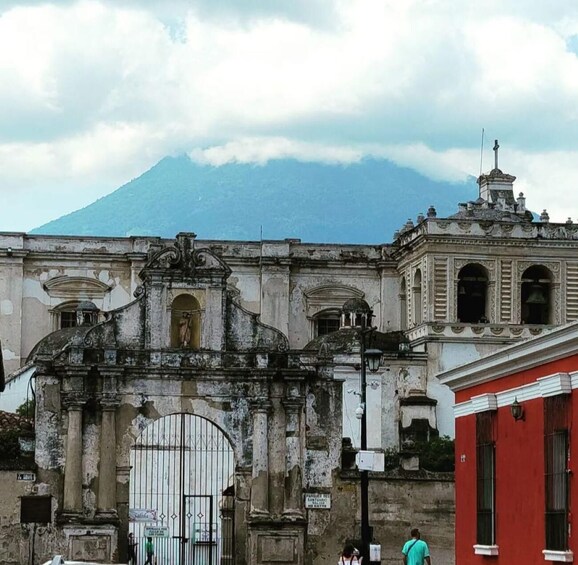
x=472, y=294
x=181, y=480
x=536, y=295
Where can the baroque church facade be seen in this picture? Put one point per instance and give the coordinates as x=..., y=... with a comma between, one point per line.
x=206, y=388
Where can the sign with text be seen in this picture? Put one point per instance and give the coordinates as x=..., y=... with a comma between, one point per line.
x=317, y=500
x=25, y=477
x=156, y=532
x=142, y=515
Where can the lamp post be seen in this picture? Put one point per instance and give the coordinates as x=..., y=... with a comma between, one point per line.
x=356, y=313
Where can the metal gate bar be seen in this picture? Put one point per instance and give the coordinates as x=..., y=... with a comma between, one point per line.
x=182, y=467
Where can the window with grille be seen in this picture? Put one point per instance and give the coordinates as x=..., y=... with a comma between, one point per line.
x=486, y=478
x=556, y=475
x=71, y=317
x=326, y=322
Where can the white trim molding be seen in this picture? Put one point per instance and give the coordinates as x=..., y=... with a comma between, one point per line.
x=562, y=556
x=486, y=550
x=552, y=385
x=484, y=402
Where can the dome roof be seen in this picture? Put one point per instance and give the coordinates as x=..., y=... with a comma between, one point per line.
x=57, y=340
x=348, y=340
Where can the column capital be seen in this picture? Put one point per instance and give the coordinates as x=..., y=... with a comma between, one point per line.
x=260, y=405
x=109, y=401
x=74, y=400
x=293, y=404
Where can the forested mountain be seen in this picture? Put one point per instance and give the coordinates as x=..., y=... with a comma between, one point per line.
x=358, y=203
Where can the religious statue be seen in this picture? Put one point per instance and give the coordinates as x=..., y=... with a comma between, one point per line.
x=185, y=330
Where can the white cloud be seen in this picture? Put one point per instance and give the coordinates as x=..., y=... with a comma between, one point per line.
x=94, y=92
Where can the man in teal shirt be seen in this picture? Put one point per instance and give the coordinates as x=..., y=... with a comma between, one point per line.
x=415, y=551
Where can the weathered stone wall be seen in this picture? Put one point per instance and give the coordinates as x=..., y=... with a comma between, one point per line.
x=14, y=538
x=396, y=504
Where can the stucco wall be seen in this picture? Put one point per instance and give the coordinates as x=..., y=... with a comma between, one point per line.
x=14, y=538
x=396, y=504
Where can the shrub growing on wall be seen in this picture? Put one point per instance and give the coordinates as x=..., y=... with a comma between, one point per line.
x=437, y=454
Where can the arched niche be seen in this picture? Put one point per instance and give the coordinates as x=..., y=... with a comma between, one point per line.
x=417, y=297
x=186, y=322
x=403, y=304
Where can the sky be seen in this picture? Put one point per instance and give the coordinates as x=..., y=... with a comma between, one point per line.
x=95, y=92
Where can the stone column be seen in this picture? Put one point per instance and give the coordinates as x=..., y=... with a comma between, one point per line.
x=293, y=460
x=260, y=471
x=106, y=500
x=73, y=467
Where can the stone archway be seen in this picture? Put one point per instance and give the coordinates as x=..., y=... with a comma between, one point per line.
x=182, y=469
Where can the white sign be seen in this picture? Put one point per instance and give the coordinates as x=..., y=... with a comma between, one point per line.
x=25, y=477
x=374, y=552
x=142, y=515
x=370, y=461
x=156, y=532
x=317, y=500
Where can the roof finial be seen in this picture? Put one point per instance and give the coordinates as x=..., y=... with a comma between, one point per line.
x=496, y=147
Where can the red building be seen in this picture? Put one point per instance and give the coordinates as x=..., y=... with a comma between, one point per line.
x=515, y=452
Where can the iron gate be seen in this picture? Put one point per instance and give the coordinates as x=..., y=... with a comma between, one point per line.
x=182, y=470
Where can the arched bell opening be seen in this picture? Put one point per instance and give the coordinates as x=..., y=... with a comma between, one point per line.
x=472, y=294
x=536, y=296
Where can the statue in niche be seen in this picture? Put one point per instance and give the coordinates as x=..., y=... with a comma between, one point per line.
x=185, y=329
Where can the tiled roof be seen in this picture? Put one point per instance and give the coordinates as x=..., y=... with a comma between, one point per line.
x=10, y=421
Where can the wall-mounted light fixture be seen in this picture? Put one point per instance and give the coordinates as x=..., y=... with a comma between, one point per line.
x=517, y=410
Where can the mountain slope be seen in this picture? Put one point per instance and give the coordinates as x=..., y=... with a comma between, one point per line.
x=359, y=203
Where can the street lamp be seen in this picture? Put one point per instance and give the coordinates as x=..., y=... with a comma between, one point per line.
x=357, y=314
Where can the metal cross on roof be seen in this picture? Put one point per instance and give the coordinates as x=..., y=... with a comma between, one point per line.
x=496, y=147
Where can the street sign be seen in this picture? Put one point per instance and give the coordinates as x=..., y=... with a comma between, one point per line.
x=142, y=515
x=156, y=531
x=25, y=476
x=317, y=500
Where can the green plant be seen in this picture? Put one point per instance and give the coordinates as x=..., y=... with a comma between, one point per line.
x=437, y=454
x=391, y=458
x=9, y=445
x=27, y=409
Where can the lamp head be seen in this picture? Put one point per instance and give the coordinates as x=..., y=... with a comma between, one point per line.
x=517, y=410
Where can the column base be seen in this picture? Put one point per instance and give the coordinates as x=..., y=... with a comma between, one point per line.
x=293, y=516
x=276, y=542
x=259, y=514
x=70, y=517
x=107, y=515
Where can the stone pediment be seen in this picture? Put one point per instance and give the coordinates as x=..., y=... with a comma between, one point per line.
x=74, y=288
x=184, y=260
x=330, y=296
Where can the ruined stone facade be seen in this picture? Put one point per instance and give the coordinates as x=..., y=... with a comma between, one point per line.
x=237, y=334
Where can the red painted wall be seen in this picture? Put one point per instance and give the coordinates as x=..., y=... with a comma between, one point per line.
x=520, y=490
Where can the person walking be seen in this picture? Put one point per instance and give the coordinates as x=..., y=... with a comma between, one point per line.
x=350, y=556
x=415, y=551
x=150, y=551
x=132, y=549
